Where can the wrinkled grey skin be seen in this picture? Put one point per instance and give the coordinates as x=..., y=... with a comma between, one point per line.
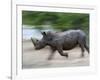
x=62, y=41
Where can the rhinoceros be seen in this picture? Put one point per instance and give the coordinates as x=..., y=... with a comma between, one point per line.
x=59, y=41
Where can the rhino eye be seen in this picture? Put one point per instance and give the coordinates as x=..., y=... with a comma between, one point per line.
x=37, y=41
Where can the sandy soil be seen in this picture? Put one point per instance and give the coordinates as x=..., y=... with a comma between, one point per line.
x=38, y=58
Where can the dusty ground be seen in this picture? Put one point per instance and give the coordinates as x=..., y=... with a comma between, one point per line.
x=38, y=58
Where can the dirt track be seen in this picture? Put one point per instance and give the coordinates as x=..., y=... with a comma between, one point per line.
x=38, y=58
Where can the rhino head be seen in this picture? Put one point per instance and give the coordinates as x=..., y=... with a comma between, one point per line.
x=46, y=39
x=38, y=44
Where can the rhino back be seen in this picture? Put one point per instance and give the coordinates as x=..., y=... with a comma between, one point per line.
x=68, y=39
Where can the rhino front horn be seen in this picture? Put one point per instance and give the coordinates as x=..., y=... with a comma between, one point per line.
x=33, y=41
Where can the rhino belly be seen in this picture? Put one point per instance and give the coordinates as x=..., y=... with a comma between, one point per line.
x=68, y=46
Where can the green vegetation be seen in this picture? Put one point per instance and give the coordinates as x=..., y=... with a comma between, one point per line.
x=57, y=20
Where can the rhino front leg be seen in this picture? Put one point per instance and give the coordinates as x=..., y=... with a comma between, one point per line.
x=60, y=50
x=52, y=53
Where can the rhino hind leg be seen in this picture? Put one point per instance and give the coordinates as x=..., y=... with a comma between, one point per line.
x=86, y=47
x=82, y=49
x=81, y=44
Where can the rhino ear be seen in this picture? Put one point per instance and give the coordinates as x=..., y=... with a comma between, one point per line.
x=43, y=33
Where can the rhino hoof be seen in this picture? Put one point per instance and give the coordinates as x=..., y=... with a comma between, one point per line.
x=66, y=55
x=82, y=55
x=49, y=58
